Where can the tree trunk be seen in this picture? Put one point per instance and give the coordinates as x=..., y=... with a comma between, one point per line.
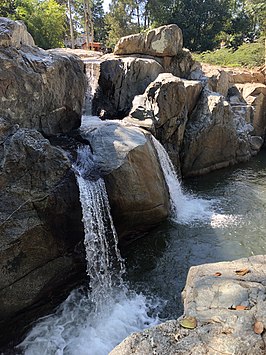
x=89, y=28
x=71, y=25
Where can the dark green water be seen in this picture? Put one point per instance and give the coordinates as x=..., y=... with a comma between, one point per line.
x=158, y=263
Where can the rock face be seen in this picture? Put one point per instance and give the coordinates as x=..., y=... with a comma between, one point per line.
x=164, y=41
x=255, y=96
x=136, y=188
x=40, y=222
x=14, y=34
x=54, y=83
x=41, y=243
x=120, y=80
x=229, y=310
x=167, y=122
x=137, y=61
x=214, y=137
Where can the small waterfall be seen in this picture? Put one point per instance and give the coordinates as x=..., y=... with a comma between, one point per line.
x=185, y=208
x=94, y=321
x=105, y=268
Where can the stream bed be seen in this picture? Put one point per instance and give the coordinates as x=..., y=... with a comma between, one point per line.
x=158, y=263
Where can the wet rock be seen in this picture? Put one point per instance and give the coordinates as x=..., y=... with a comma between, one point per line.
x=163, y=109
x=40, y=227
x=164, y=41
x=212, y=300
x=136, y=188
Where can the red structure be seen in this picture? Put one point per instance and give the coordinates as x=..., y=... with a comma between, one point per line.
x=93, y=46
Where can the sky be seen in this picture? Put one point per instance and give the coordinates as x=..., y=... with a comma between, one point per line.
x=106, y=5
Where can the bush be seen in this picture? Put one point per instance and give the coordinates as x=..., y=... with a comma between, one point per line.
x=248, y=55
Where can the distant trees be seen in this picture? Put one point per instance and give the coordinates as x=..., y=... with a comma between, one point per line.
x=205, y=23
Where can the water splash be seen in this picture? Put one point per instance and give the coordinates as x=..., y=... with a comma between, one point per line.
x=94, y=321
x=185, y=208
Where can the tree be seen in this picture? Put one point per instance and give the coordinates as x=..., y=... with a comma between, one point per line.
x=120, y=20
x=7, y=8
x=200, y=20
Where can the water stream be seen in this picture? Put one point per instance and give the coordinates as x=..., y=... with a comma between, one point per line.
x=223, y=219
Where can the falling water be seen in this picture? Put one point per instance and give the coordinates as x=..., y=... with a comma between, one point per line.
x=185, y=208
x=92, y=321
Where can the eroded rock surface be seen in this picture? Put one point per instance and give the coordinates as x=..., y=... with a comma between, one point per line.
x=40, y=223
x=214, y=136
x=121, y=79
x=14, y=34
x=164, y=41
x=229, y=311
x=136, y=188
x=41, y=89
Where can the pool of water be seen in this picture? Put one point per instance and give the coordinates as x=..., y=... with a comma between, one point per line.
x=158, y=263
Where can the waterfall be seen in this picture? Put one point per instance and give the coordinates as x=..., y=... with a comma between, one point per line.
x=93, y=321
x=105, y=268
x=185, y=208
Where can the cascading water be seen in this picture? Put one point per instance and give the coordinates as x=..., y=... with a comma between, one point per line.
x=185, y=208
x=92, y=322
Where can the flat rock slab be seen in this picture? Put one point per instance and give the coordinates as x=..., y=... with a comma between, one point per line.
x=227, y=300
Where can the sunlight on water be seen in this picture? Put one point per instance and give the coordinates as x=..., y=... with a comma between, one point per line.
x=224, y=221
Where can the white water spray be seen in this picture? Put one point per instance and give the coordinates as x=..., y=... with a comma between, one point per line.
x=94, y=321
x=185, y=208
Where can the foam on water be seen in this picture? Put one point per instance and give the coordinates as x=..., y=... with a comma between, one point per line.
x=74, y=330
x=92, y=321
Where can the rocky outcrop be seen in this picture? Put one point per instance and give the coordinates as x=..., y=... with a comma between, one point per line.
x=167, y=122
x=121, y=79
x=40, y=89
x=41, y=253
x=14, y=34
x=137, y=61
x=214, y=137
x=224, y=304
x=136, y=188
x=255, y=97
x=40, y=223
x=164, y=41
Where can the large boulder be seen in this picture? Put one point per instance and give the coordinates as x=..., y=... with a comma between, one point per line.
x=14, y=34
x=164, y=41
x=39, y=89
x=40, y=223
x=134, y=181
x=163, y=109
x=214, y=136
x=226, y=303
x=121, y=79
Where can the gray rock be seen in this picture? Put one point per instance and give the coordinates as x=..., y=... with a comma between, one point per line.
x=163, y=109
x=121, y=79
x=135, y=184
x=164, y=41
x=214, y=136
x=222, y=328
x=14, y=34
x=40, y=89
x=40, y=224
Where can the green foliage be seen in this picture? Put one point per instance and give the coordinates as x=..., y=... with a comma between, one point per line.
x=248, y=55
x=45, y=20
x=7, y=8
x=119, y=20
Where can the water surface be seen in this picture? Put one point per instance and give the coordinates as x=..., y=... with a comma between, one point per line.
x=158, y=263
